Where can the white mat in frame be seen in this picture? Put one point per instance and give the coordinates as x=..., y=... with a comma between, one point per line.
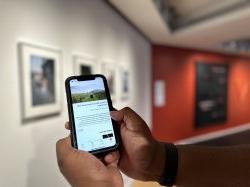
x=40, y=80
x=124, y=82
x=110, y=70
x=85, y=64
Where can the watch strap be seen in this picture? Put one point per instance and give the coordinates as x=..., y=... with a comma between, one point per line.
x=171, y=165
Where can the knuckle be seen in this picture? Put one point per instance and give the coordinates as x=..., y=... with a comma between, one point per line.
x=127, y=109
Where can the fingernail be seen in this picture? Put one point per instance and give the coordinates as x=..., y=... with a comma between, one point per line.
x=108, y=157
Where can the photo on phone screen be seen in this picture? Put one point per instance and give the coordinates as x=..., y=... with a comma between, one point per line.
x=92, y=122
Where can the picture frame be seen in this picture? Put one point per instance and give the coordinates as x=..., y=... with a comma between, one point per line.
x=84, y=65
x=124, y=84
x=109, y=70
x=40, y=80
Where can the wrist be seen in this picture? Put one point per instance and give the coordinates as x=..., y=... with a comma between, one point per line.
x=169, y=175
x=158, y=162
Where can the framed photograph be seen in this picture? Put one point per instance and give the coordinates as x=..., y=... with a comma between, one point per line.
x=84, y=65
x=109, y=70
x=40, y=80
x=124, y=83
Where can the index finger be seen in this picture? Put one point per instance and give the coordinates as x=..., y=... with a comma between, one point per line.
x=63, y=147
x=67, y=125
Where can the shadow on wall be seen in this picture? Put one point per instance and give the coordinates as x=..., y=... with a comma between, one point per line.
x=43, y=169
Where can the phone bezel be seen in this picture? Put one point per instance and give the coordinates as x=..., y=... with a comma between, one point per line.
x=98, y=152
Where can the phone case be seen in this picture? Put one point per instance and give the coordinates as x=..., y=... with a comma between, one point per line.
x=99, y=152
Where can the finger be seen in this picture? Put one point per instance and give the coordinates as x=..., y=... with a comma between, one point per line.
x=123, y=114
x=63, y=147
x=117, y=115
x=67, y=125
x=132, y=120
x=112, y=157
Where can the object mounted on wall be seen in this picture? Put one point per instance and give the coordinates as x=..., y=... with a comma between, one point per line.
x=110, y=71
x=211, y=93
x=159, y=93
x=124, y=85
x=40, y=80
x=84, y=65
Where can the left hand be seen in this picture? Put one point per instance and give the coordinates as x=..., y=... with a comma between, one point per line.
x=82, y=169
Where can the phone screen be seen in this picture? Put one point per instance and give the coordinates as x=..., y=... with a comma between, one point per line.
x=93, y=124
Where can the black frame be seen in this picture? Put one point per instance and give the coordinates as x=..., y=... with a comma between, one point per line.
x=99, y=152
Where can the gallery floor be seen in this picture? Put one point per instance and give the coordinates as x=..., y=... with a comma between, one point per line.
x=233, y=139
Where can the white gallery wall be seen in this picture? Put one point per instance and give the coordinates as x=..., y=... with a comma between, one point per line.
x=88, y=27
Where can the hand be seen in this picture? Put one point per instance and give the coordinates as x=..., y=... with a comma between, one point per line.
x=142, y=157
x=81, y=168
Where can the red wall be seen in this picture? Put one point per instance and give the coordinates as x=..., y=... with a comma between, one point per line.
x=176, y=66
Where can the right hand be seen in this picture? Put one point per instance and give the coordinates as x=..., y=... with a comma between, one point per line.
x=141, y=156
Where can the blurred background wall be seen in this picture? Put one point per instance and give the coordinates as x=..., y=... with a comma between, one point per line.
x=176, y=66
x=85, y=27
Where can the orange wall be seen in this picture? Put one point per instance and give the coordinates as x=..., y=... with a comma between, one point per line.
x=177, y=67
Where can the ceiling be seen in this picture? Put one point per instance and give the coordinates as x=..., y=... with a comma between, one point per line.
x=199, y=24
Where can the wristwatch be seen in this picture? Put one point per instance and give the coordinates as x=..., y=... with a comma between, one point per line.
x=171, y=165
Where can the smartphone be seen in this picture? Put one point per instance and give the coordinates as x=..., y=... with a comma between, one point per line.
x=89, y=106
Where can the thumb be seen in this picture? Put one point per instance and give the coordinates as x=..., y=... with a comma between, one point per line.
x=122, y=115
x=63, y=147
x=131, y=119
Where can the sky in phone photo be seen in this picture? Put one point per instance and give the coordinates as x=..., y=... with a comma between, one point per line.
x=86, y=86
